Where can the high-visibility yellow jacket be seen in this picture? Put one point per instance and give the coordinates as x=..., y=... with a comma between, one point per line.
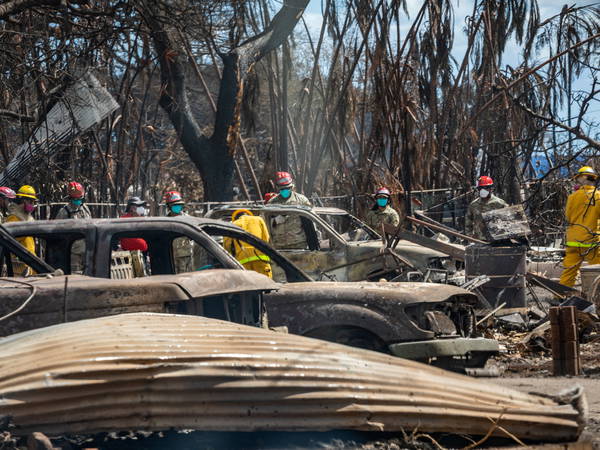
x=16, y=214
x=582, y=213
x=242, y=251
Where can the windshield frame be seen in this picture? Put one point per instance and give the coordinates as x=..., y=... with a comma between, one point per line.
x=374, y=236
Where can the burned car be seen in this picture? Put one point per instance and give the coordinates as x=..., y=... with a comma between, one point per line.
x=50, y=296
x=388, y=317
x=340, y=247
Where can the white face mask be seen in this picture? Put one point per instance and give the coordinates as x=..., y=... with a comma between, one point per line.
x=141, y=211
x=484, y=193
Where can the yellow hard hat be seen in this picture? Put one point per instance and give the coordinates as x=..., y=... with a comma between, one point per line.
x=27, y=191
x=587, y=170
x=237, y=212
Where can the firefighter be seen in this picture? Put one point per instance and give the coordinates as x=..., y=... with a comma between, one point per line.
x=75, y=209
x=247, y=255
x=486, y=201
x=7, y=195
x=287, y=194
x=582, y=213
x=287, y=229
x=175, y=204
x=21, y=210
x=382, y=211
x=183, y=248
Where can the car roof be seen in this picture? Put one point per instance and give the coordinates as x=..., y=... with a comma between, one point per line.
x=79, y=224
x=268, y=207
x=329, y=210
x=279, y=207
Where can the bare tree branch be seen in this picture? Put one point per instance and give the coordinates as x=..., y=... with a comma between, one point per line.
x=16, y=116
x=17, y=6
x=576, y=131
x=255, y=48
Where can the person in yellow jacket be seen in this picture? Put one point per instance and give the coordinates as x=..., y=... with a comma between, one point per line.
x=21, y=210
x=582, y=214
x=248, y=256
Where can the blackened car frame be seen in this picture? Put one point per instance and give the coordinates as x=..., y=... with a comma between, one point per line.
x=340, y=247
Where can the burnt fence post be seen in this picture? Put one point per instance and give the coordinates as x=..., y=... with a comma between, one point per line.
x=565, y=342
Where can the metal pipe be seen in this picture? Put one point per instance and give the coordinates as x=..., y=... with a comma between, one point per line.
x=443, y=229
x=491, y=313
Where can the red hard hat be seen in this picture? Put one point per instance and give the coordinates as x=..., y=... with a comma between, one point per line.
x=268, y=196
x=75, y=190
x=283, y=179
x=383, y=191
x=173, y=198
x=7, y=192
x=485, y=181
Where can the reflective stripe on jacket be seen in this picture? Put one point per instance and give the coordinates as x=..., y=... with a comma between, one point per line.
x=579, y=244
x=261, y=257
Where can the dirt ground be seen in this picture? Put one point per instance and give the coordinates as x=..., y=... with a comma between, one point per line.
x=547, y=384
x=531, y=371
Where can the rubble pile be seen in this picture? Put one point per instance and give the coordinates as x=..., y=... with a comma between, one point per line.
x=526, y=350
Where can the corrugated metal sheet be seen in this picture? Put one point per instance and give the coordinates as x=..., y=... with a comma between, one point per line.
x=158, y=371
x=85, y=103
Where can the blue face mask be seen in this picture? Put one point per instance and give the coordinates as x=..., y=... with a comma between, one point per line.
x=177, y=209
x=77, y=202
x=285, y=193
x=382, y=202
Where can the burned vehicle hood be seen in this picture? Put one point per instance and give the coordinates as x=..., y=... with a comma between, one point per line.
x=210, y=282
x=163, y=371
x=397, y=293
x=394, y=312
x=417, y=254
x=49, y=300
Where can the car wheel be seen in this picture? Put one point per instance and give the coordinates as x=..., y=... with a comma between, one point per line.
x=351, y=336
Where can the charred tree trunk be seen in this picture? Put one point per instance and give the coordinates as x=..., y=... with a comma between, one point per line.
x=213, y=156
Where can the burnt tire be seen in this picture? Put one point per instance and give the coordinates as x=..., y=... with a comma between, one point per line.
x=351, y=336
